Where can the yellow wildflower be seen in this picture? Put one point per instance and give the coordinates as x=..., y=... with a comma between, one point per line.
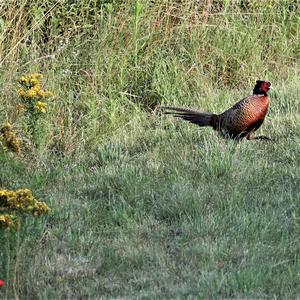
x=9, y=139
x=7, y=221
x=28, y=94
x=36, y=76
x=41, y=107
x=6, y=128
x=22, y=199
x=31, y=94
x=24, y=80
x=34, y=81
x=32, y=87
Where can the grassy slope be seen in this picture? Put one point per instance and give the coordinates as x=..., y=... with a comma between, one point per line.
x=147, y=207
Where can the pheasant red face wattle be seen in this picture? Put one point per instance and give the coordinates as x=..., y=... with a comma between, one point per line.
x=266, y=86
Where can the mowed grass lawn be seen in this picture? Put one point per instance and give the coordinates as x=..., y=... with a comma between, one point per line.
x=164, y=209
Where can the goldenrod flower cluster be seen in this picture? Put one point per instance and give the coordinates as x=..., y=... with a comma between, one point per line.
x=32, y=93
x=8, y=221
x=22, y=200
x=9, y=139
x=41, y=107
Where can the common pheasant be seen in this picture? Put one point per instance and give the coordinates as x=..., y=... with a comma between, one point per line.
x=239, y=121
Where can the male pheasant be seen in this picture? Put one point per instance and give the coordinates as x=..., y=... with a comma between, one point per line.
x=239, y=121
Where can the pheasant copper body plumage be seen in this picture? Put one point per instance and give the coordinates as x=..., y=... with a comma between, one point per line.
x=239, y=121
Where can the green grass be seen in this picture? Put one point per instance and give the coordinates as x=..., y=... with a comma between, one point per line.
x=144, y=206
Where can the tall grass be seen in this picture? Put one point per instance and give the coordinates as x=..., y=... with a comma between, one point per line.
x=144, y=206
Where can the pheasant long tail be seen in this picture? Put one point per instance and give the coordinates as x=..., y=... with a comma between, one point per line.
x=193, y=116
